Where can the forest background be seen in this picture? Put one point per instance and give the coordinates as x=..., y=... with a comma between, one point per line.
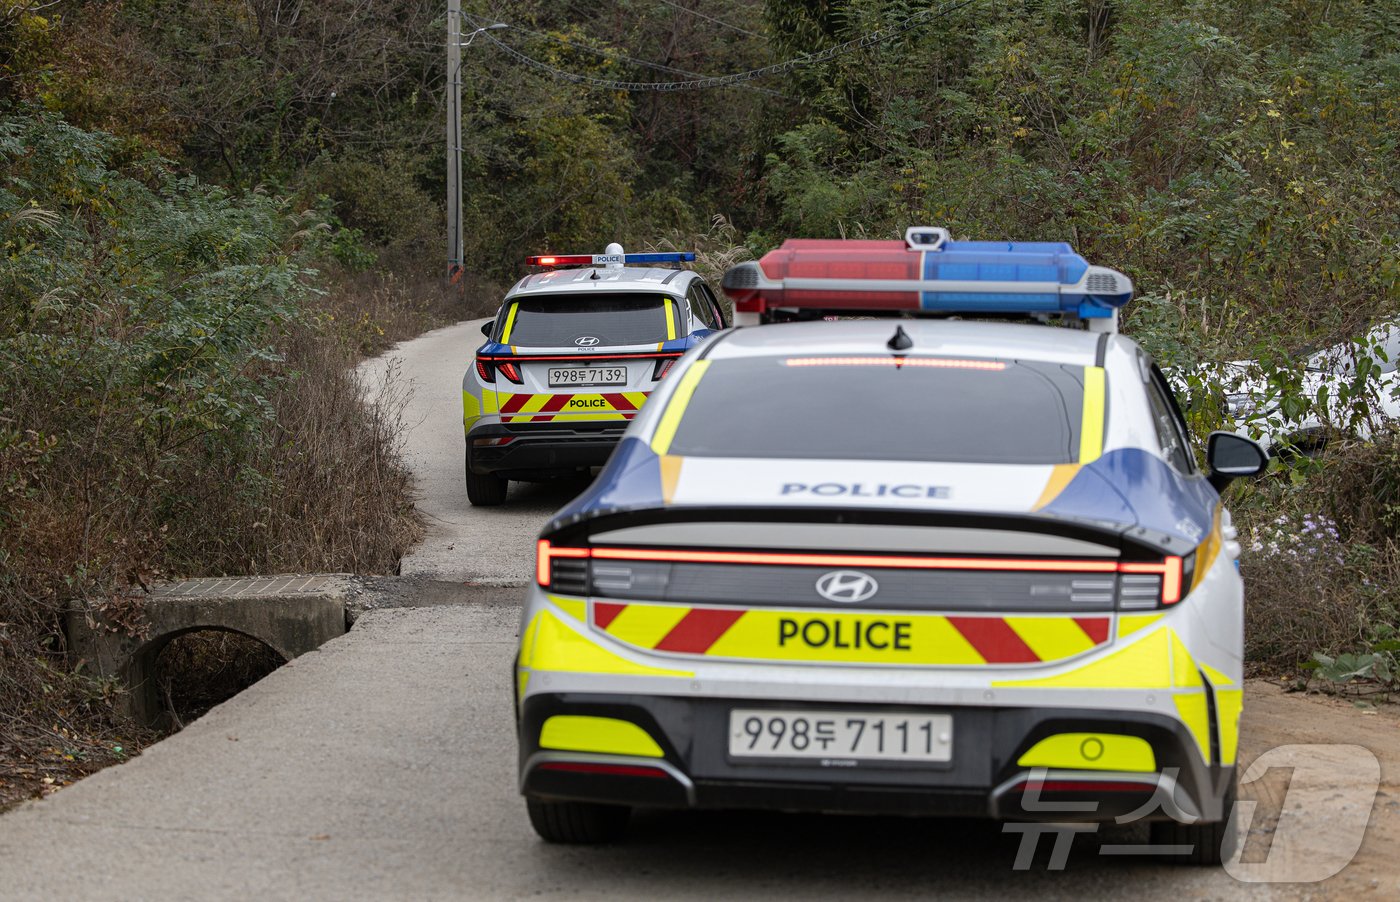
x=210, y=208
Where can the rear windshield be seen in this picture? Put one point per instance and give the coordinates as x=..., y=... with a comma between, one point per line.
x=859, y=408
x=591, y=320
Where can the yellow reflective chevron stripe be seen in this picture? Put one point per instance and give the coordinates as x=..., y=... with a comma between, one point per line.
x=554, y=646
x=1092, y=426
x=510, y=324
x=1051, y=638
x=1092, y=751
x=1131, y=623
x=670, y=319
x=864, y=637
x=675, y=408
x=1144, y=664
x=644, y=625
x=607, y=735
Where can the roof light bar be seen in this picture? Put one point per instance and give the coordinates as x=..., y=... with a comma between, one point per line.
x=929, y=273
x=609, y=259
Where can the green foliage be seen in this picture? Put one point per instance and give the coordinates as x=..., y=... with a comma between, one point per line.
x=138, y=327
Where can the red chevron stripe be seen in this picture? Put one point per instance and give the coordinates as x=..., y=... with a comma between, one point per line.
x=514, y=403
x=994, y=640
x=698, y=630
x=605, y=613
x=556, y=402
x=619, y=402
x=1096, y=628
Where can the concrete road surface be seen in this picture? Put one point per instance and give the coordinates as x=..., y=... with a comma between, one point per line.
x=383, y=767
x=489, y=546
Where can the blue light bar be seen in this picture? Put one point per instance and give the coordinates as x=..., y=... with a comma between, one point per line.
x=676, y=257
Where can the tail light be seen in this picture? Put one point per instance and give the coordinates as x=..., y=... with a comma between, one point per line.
x=626, y=572
x=663, y=366
x=1148, y=585
x=564, y=569
x=487, y=370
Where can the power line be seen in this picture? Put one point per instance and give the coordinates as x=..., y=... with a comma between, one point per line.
x=699, y=15
x=879, y=36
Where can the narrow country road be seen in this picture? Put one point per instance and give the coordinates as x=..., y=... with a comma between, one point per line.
x=492, y=546
x=383, y=767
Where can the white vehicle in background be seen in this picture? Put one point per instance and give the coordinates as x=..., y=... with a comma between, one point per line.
x=1348, y=388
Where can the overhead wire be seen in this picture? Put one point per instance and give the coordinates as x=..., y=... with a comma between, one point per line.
x=699, y=15
x=870, y=39
x=617, y=56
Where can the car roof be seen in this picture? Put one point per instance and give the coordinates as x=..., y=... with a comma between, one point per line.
x=973, y=339
x=607, y=279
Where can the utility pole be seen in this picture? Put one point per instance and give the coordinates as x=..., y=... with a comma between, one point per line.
x=454, y=138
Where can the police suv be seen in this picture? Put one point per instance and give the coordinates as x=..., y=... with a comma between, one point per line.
x=570, y=358
x=913, y=566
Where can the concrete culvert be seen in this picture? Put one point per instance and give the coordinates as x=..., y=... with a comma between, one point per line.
x=199, y=669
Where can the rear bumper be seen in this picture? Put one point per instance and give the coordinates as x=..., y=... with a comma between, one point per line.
x=982, y=780
x=541, y=449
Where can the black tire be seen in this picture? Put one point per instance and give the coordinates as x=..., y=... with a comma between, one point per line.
x=1211, y=843
x=485, y=489
x=578, y=823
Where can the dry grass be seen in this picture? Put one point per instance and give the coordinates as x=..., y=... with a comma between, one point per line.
x=320, y=488
x=1322, y=557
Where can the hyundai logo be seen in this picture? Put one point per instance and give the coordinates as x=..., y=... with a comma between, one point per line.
x=587, y=341
x=847, y=586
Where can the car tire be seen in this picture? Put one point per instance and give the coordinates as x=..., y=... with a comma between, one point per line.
x=1211, y=843
x=485, y=489
x=578, y=823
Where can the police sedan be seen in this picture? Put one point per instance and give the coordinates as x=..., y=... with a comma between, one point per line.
x=921, y=567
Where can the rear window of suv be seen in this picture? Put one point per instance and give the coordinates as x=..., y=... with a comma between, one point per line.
x=869, y=408
x=572, y=320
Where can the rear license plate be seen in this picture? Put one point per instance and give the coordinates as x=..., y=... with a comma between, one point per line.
x=768, y=733
x=596, y=375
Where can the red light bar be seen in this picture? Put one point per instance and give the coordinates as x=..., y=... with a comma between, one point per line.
x=897, y=362
x=560, y=260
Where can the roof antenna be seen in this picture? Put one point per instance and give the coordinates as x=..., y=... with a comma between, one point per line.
x=593, y=274
x=900, y=341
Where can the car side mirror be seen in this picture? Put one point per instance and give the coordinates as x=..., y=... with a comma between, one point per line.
x=1231, y=456
x=487, y=327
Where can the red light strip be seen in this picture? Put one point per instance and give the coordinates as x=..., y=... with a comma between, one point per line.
x=545, y=552
x=1084, y=786
x=849, y=560
x=613, y=770
x=898, y=362
x=559, y=260
x=1170, y=569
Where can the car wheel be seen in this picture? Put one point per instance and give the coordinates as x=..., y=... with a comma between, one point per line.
x=485, y=489
x=574, y=823
x=1211, y=843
